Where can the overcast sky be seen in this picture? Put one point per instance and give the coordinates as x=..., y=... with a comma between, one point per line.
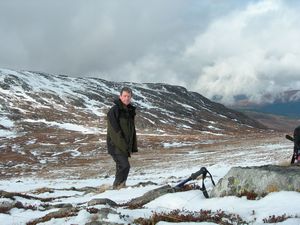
x=215, y=47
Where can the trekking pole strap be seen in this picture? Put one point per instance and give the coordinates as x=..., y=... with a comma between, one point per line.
x=211, y=178
x=203, y=171
x=203, y=188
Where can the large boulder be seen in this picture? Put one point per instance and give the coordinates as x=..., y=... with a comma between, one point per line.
x=258, y=181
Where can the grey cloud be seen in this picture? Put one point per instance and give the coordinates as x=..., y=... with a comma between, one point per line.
x=213, y=47
x=79, y=37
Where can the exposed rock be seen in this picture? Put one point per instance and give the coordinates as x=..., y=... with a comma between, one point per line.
x=102, y=223
x=43, y=190
x=102, y=188
x=94, y=223
x=64, y=212
x=149, y=196
x=12, y=195
x=5, y=206
x=143, y=184
x=102, y=201
x=101, y=215
x=61, y=205
x=258, y=181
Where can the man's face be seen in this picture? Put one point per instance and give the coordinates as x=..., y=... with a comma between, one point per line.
x=125, y=98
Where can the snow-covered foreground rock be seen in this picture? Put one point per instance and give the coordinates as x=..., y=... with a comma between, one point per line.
x=77, y=193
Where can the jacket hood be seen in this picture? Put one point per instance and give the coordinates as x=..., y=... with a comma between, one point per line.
x=121, y=105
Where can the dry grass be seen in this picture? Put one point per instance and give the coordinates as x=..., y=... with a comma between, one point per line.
x=176, y=216
x=285, y=163
x=59, y=158
x=272, y=188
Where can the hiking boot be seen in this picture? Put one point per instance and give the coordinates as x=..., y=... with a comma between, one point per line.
x=119, y=186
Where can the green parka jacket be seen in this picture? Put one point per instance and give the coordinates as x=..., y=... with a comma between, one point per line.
x=121, y=133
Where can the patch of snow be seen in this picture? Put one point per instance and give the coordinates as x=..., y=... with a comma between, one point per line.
x=73, y=152
x=8, y=134
x=6, y=122
x=67, y=126
x=253, y=211
x=184, y=126
x=31, y=142
x=222, y=116
x=152, y=122
x=213, y=128
x=3, y=146
x=176, y=144
x=185, y=106
x=8, y=71
x=208, y=132
x=163, y=121
x=34, y=152
x=43, y=161
x=94, y=107
x=144, y=104
x=186, y=223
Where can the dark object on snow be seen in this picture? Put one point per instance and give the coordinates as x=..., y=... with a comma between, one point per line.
x=203, y=171
x=149, y=196
x=155, y=193
x=102, y=201
x=296, y=140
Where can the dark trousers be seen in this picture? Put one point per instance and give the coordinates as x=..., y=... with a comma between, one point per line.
x=122, y=168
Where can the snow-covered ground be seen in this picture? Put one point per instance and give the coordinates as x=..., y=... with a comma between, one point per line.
x=251, y=211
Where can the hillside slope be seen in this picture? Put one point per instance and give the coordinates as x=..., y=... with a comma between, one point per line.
x=59, y=119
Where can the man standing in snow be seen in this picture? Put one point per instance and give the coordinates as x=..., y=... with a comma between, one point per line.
x=121, y=135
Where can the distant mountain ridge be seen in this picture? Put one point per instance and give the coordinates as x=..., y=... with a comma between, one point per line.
x=27, y=96
x=60, y=120
x=285, y=104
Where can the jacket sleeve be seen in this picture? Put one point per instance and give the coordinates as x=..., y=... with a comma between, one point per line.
x=134, y=146
x=114, y=130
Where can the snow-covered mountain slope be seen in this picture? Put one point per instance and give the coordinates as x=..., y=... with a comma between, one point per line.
x=30, y=98
x=54, y=118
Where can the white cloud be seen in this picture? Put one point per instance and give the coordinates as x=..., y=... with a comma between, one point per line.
x=251, y=51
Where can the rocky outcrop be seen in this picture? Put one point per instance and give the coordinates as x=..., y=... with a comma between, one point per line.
x=258, y=181
x=102, y=201
x=61, y=213
x=5, y=206
x=100, y=215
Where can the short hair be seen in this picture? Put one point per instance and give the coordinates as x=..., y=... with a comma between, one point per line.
x=126, y=89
